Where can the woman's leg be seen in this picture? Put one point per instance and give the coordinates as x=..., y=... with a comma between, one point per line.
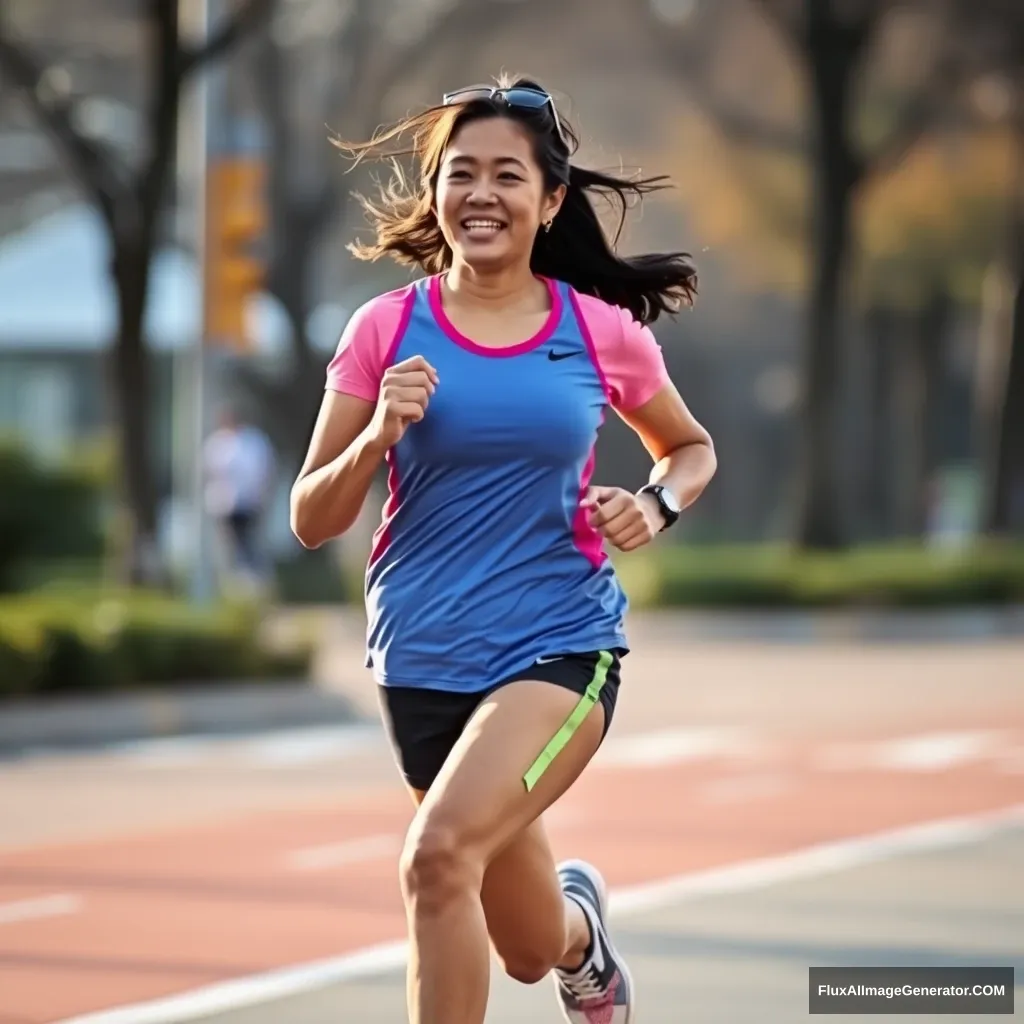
x=475, y=810
x=543, y=918
x=532, y=925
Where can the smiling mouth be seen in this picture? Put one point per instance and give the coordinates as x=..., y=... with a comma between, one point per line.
x=482, y=227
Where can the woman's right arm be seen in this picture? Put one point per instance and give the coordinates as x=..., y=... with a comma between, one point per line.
x=350, y=440
x=340, y=464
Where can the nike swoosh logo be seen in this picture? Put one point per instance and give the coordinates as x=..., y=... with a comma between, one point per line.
x=555, y=356
x=546, y=661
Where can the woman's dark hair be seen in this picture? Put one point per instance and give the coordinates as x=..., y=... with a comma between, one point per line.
x=575, y=250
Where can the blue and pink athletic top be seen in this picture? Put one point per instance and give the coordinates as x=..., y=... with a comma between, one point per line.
x=484, y=561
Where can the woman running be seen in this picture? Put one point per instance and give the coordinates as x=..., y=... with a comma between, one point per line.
x=495, y=619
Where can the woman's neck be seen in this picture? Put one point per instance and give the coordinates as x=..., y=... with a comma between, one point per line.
x=510, y=289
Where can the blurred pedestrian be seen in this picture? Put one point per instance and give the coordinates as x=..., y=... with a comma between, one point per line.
x=495, y=617
x=238, y=463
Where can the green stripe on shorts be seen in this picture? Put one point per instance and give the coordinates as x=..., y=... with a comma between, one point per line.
x=572, y=723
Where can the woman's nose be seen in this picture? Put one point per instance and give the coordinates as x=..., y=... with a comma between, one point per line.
x=482, y=191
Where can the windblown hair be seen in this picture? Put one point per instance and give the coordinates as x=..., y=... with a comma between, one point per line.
x=575, y=250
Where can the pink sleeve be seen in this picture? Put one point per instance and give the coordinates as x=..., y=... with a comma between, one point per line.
x=367, y=345
x=626, y=353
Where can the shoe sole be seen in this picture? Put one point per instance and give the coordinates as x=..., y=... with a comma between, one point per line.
x=602, y=898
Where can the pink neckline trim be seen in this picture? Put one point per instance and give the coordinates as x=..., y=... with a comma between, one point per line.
x=555, y=314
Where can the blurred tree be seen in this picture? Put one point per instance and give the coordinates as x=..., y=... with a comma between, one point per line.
x=994, y=32
x=927, y=233
x=130, y=200
x=830, y=41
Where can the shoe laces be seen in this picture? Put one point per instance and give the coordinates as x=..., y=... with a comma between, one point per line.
x=586, y=985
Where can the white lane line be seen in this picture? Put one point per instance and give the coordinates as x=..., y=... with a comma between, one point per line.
x=351, y=851
x=280, y=748
x=819, y=859
x=813, y=861
x=313, y=746
x=57, y=905
x=673, y=746
x=929, y=752
x=745, y=787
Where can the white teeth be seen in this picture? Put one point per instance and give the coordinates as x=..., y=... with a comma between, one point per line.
x=491, y=225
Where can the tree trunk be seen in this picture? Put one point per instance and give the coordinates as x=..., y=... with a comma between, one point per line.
x=881, y=433
x=1005, y=507
x=923, y=391
x=832, y=52
x=140, y=561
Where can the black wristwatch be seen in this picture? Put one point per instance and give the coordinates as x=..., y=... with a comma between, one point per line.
x=667, y=503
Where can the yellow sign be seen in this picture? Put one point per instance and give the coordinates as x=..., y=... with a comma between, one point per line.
x=236, y=220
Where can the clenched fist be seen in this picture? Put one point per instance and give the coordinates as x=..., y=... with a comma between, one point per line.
x=625, y=519
x=405, y=392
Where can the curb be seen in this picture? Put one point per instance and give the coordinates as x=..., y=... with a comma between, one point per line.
x=96, y=721
x=964, y=624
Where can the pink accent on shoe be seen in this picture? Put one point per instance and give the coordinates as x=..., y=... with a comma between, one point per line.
x=602, y=1010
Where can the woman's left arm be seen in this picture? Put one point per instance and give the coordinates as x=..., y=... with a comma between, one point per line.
x=684, y=463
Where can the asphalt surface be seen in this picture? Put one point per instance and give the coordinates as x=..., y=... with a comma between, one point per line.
x=745, y=957
x=136, y=878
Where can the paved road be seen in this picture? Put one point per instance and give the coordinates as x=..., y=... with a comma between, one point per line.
x=743, y=957
x=149, y=874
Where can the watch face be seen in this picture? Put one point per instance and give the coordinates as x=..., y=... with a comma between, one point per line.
x=670, y=500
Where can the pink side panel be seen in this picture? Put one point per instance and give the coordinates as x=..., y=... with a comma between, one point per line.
x=368, y=344
x=588, y=541
x=382, y=535
x=627, y=356
x=367, y=348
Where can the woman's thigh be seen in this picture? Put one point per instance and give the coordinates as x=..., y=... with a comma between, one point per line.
x=497, y=779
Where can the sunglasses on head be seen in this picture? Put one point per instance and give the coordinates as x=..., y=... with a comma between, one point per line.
x=514, y=96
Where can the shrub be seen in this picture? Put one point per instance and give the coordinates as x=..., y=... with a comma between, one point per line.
x=766, y=576
x=47, y=514
x=82, y=641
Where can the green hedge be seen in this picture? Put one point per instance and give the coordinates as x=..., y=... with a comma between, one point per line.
x=764, y=576
x=48, y=514
x=75, y=642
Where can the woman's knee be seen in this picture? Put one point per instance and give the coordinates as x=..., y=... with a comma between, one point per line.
x=437, y=865
x=531, y=964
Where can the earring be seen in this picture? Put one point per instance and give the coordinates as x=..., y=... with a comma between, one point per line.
x=547, y=225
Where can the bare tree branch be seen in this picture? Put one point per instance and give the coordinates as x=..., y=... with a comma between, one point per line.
x=247, y=16
x=683, y=55
x=929, y=104
x=786, y=18
x=98, y=170
x=448, y=35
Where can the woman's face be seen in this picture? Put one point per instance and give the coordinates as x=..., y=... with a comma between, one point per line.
x=491, y=199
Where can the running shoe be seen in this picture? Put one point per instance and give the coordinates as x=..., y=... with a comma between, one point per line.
x=600, y=991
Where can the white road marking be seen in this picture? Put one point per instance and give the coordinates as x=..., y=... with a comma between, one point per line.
x=929, y=752
x=739, y=788
x=351, y=851
x=673, y=746
x=312, y=746
x=58, y=905
x=817, y=860
x=813, y=861
x=278, y=749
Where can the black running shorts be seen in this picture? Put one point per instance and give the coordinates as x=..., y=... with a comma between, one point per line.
x=424, y=724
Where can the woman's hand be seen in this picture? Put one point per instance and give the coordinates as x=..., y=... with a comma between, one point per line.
x=405, y=392
x=626, y=520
